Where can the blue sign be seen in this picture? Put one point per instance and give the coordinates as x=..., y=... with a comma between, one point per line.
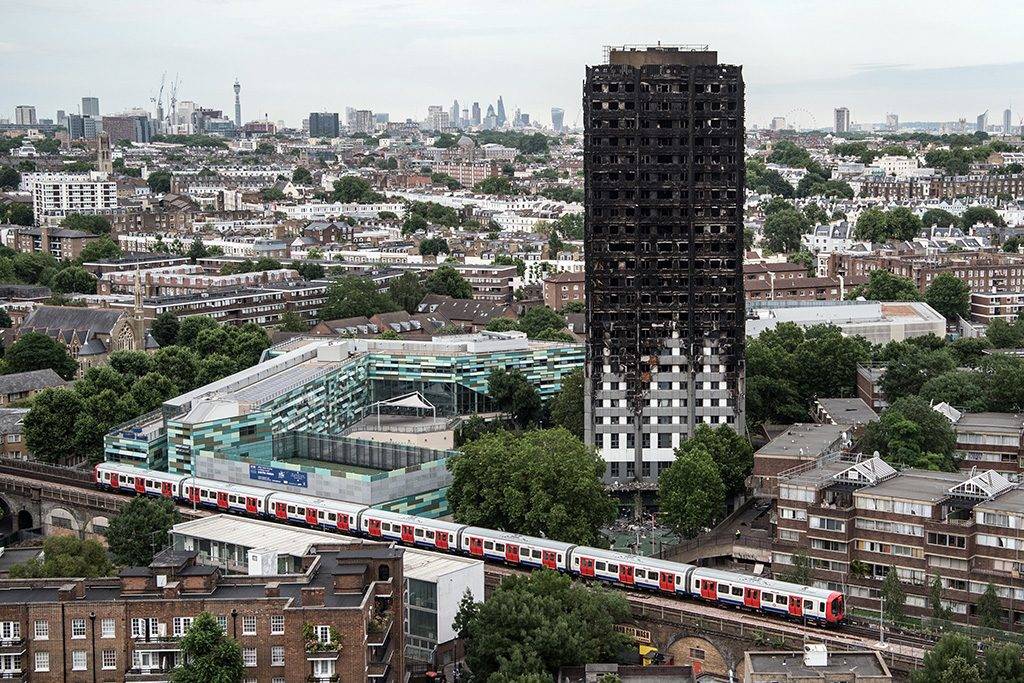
x=276, y=475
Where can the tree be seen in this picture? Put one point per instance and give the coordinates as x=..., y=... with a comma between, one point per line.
x=732, y=454
x=214, y=367
x=1012, y=245
x=884, y=286
x=353, y=296
x=34, y=268
x=309, y=270
x=495, y=185
x=139, y=530
x=951, y=652
x=1003, y=335
x=16, y=213
x=151, y=390
x=131, y=365
x=801, y=572
x=103, y=248
x=939, y=610
x=567, y=405
x=512, y=393
x=447, y=281
x=981, y=214
x=302, y=176
x=871, y=226
x=73, y=279
x=159, y=181
x=962, y=389
x=66, y=556
x=541, y=483
x=949, y=295
x=782, y=230
x=165, y=328
x=434, y=246
x=36, y=351
x=50, y=424
x=179, y=364
x=208, y=654
x=97, y=225
x=190, y=327
x=272, y=194
x=540, y=318
x=407, y=291
x=893, y=597
x=9, y=178
x=691, y=494
x=352, y=189
x=502, y=325
x=414, y=223
x=533, y=625
x=910, y=433
x=1004, y=663
x=968, y=351
x=292, y=322
x=990, y=612
x=938, y=217
x=909, y=366
x=901, y=223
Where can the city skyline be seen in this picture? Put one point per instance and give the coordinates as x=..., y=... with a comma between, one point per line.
x=512, y=56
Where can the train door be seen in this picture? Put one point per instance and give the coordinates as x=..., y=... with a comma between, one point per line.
x=708, y=589
x=586, y=566
x=250, y=505
x=374, y=525
x=441, y=540
x=511, y=553
x=548, y=559
x=140, y=485
x=193, y=495
x=165, y=490
x=408, y=534
x=280, y=510
x=752, y=597
x=222, y=500
x=626, y=574
x=112, y=478
x=476, y=546
x=795, y=607
x=667, y=581
x=342, y=521
x=311, y=516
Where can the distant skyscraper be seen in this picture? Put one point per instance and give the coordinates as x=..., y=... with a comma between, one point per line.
x=779, y=123
x=892, y=122
x=76, y=126
x=842, y=122
x=557, y=118
x=130, y=127
x=238, y=105
x=476, y=114
x=362, y=121
x=981, y=125
x=501, y=112
x=453, y=115
x=663, y=256
x=25, y=115
x=62, y=118
x=324, y=124
x=1007, y=122
x=381, y=117
x=464, y=118
x=350, y=115
x=90, y=106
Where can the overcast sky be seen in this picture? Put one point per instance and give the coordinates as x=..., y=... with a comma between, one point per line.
x=925, y=59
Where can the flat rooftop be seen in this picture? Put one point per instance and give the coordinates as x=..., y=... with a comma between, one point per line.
x=803, y=441
x=852, y=411
x=791, y=664
x=1009, y=424
x=917, y=485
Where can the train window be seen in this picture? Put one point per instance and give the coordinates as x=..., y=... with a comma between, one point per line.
x=536, y=554
x=808, y=605
x=559, y=557
x=640, y=574
x=386, y=526
x=331, y=517
x=736, y=590
x=780, y=599
x=767, y=597
x=601, y=566
x=613, y=568
x=821, y=607
x=678, y=580
x=419, y=533
x=488, y=545
x=723, y=589
x=430, y=534
x=291, y=509
x=500, y=547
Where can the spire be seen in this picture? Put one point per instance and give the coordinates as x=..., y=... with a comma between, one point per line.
x=138, y=295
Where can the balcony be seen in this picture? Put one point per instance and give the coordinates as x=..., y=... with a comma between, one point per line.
x=139, y=675
x=12, y=646
x=324, y=678
x=378, y=670
x=14, y=675
x=377, y=630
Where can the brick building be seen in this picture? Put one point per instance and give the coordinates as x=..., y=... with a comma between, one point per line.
x=855, y=518
x=991, y=440
x=59, y=243
x=562, y=288
x=989, y=306
x=942, y=187
x=982, y=271
x=335, y=621
x=489, y=283
x=469, y=173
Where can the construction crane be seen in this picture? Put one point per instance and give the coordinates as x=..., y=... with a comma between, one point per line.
x=159, y=101
x=174, y=102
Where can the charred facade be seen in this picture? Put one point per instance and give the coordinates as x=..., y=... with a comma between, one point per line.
x=663, y=157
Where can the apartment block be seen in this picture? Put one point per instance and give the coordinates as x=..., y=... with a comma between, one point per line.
x=982, y=271
x=563, y=288
x=56, y=195
x=489, y=283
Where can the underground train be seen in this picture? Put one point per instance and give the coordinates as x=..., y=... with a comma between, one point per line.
x=622, y=570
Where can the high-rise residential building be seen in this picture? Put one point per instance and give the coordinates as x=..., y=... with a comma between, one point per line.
x=453, y=114
x=842, y=122
x=381, y=117
x=238, y=104
x=25, y=115
x=324, y=124
x=501, y=112
x=476, y=114
x=663, y=160
x=981, y=124
x=76, y=126
x=464, y=118
x=350, y=113
x=131, y=127
x=437, y=118
x=892, y=122
x=362, y=121
x=91, y=126
x=90, y=106
x=557, y=118
x=779, y=123
x=55, y=195
x=1007, y=122
x=62, y=118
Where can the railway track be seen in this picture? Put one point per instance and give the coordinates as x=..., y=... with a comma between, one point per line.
x=906, y=648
